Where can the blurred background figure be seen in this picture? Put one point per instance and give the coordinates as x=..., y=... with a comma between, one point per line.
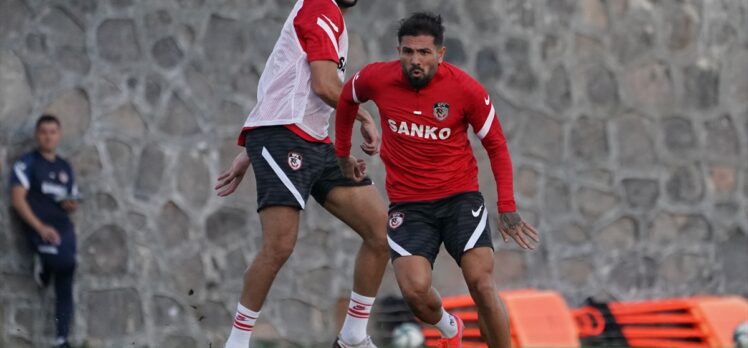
x=44, y=194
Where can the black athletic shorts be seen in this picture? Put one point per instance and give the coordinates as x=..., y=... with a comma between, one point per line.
x=288, y=168
x=419, y=228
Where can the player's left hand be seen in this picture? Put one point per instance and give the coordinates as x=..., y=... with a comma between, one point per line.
x=69, y=205
x=512, y=225
x=229, y=180
x=352, y=168
x=370, y=133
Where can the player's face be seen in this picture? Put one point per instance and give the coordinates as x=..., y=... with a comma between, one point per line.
x=48, y=136
x=420, y=58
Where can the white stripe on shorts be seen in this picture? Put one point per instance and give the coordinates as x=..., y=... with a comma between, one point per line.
x=478, y=231
x=397, y=248
x=282, y=176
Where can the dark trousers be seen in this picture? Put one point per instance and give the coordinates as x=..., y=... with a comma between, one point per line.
x=59, y=265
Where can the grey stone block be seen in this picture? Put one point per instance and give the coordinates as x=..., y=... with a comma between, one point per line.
x=114, y=313
x=105, y=252
x=180, y=118
x=173, y=224
x=150, y=171
x=168, y=312
x=685, y=185
x=701, y=86
x=641, y=193
x=589, y=139
x=117, y=41
x=679, y=135
x=166, y=52
x=558, y=90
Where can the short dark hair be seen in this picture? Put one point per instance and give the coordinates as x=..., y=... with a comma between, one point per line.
x=47, y=118
x=422, y=23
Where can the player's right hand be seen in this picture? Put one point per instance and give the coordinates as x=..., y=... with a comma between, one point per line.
x=352, y=168
x=49, y=234
x=229, y=180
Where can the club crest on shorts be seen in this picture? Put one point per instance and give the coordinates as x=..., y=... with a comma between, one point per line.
x=441, y=111
x=396, y=219
x=294, y=160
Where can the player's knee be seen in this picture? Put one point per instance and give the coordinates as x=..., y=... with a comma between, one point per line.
x=414, y=292
x=279, y=252
x=482, y=284
x=377, y=241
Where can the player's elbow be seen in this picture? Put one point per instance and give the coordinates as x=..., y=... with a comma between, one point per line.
x=320, y=88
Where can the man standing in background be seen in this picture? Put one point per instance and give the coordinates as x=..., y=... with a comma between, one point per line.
x=44, y=194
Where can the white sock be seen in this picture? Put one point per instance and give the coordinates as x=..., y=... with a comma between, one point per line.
x=354, y=326
x=244, y=324
x=447, y=325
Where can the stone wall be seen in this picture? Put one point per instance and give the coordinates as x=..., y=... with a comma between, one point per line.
x=627, y=122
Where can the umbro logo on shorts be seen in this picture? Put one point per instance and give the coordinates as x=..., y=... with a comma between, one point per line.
x=396, y=219
x=294, y=160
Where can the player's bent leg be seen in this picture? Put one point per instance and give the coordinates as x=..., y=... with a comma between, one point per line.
x=280, y=225
x=413, y=274
x=477, y=268
x=361, y=208
x=280, y=228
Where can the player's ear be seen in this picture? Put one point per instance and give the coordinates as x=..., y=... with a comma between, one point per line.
x=440, y=51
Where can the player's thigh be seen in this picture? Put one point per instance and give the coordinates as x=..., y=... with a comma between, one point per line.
x=285, y=166
x=412, y=230
x=413, y=275
x=333, y=188
x=465, y=224
x=360, y=207
x=477, y=265
x=280, y=227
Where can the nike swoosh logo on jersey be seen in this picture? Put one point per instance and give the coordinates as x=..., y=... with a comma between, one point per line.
x=487, y=99
x=477, y=212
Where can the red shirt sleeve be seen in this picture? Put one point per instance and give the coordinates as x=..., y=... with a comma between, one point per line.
x=355, y=92
x=319, y=26
x=485, y=122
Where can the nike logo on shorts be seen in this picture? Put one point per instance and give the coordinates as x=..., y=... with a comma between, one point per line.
x=477, y=212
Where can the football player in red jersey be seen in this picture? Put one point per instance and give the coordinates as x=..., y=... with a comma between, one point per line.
x=426, y=106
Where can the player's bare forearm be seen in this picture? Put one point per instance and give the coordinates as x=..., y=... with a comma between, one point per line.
x=21, y=206
x=364, y=116
x=325, y=81
x=369, y=131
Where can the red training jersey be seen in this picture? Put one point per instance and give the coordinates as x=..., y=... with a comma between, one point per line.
x=425, y=146
x=315, y=30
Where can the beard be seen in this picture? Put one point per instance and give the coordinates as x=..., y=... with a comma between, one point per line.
x=417, y=81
